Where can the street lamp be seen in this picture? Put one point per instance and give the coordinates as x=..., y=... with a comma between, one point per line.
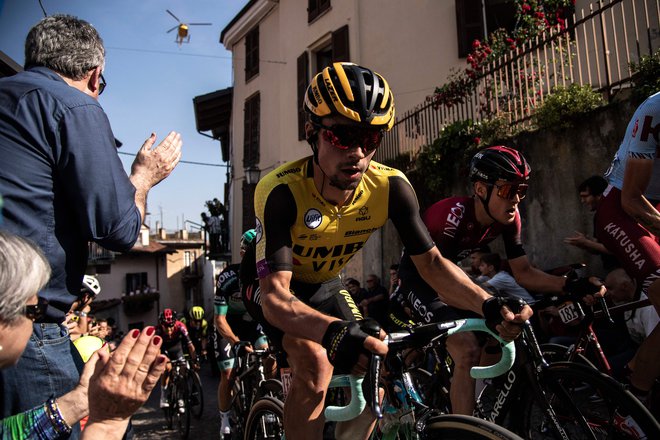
x=252, y=174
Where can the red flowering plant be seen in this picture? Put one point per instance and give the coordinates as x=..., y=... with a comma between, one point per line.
x=533, y=18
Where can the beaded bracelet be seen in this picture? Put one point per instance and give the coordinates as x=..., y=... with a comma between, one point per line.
x=53, y=411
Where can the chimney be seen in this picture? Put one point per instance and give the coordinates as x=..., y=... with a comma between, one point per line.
x=162, y=233
x=144, y=237
x=183, y=234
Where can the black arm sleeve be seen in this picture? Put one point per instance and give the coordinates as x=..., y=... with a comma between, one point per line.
x=404, y=213
x=279, y=216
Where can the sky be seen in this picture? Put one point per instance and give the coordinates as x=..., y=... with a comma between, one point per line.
x=151, y=84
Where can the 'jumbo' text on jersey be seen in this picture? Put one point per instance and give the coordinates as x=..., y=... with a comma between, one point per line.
x=640, y=141
x=299, y=231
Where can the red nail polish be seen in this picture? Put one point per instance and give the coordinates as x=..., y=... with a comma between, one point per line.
x=156, y=340
x=150, y=331
x=162, y=360
x=135, y=333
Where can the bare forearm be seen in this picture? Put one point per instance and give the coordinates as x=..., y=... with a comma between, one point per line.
x=225, y=330
x=643, y=212
x=293, y=317
x=539, y=281
x=141, y=190
x=452, y=284
x=105, y=429
x=73, y=405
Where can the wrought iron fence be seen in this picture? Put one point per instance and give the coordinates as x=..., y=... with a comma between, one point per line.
x=595, y=48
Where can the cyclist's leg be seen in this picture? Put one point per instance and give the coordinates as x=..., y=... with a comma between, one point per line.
x=311, y=376
x=463, y=347
x=645, y=365
x=225, y=362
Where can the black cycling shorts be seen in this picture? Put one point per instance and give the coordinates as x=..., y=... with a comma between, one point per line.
x=331, y=298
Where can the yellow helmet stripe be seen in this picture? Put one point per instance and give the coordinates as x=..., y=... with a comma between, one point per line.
x=341, y=108
x=321, y=108
x=386, y=93
x=343, y=79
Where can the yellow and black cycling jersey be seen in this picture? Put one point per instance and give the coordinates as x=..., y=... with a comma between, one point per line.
x=297, y=230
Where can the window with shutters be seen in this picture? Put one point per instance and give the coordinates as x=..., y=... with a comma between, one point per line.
x=316, y=8
x=336, y=49
x=251, y=131
x=252, y=54
x=477, y=18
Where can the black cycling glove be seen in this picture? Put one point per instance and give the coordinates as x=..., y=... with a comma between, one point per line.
x=344, y=342
x=580, y=286
x=492, y=309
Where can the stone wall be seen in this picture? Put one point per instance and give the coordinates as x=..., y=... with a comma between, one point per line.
x=560, y=160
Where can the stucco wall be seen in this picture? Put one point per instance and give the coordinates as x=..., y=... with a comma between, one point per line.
x=560, y=161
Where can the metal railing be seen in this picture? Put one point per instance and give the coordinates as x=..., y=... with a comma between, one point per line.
x=595, y=48
x=98, y=254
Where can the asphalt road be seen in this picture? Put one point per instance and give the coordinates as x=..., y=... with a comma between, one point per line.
x=149, y=421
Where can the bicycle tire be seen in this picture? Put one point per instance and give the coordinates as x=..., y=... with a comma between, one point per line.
x=183, y=417
x=196, y=394
x=454, y=426
x=270, y=388
x=557, y=353
x=238, y=410
x=588, y=404
x=265, y=420
x=169, y=409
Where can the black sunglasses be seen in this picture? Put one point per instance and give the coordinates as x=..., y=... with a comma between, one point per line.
x=348, y=136
x=36, y=311
x=102, y=84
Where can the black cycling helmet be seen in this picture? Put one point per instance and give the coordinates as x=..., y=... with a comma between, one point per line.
x=499, y=163
x=352, y=91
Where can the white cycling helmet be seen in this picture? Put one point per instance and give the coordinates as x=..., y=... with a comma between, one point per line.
x=90, y=285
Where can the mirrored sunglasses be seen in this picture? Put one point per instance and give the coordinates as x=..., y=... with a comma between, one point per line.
x=36, y=311
x=349, y=136
x=510, y=190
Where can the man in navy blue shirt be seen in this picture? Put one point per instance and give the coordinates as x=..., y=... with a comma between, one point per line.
x=63, y=185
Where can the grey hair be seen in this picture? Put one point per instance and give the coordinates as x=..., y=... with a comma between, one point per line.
x=24, y=271
x=66, y=44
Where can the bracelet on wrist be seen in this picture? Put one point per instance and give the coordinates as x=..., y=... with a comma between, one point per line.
x=55, y=416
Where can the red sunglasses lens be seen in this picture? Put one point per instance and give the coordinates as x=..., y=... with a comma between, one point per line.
x=345, y=137
x=509, y=190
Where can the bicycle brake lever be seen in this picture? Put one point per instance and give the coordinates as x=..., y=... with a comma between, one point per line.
x=605, y=309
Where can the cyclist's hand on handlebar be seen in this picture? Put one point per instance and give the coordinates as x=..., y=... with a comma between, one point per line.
x=590, y=288
x=345, y=341
x=505, y=314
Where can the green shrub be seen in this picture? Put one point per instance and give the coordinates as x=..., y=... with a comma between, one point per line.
x=561, y=108
x=647, y=75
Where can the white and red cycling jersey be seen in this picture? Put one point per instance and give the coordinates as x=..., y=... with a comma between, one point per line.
x=635, y=247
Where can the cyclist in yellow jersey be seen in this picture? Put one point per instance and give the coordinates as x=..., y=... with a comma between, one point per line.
x=313, y=215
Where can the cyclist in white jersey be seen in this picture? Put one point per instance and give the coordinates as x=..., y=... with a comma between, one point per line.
x=627, y=222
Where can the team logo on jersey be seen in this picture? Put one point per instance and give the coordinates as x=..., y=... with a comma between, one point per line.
x=313, y=218
x=259, y=230
x=363, y=211
x=635, y=128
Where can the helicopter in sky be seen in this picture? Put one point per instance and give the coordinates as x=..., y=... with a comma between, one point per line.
x=182, y=35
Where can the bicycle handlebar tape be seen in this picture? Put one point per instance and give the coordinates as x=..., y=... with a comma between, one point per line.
x=508, y=349
x=354, y=407
x=580, y=286
x=343, y=342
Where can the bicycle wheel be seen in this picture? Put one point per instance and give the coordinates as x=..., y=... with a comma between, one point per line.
x=557, y=353
x=169, y=410
x=196, y=394
x=266, y=420
x=238, y=410
x=182, y=410
x=588, y=405
x=452, y=426
x=270, y=388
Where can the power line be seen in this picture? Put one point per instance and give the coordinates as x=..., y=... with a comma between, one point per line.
x=168, y=52
x=185, y=161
